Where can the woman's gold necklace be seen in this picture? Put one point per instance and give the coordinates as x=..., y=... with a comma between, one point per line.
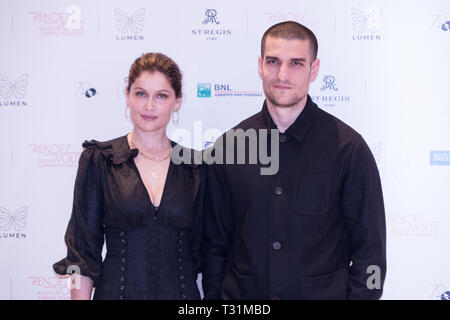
x=154, y=174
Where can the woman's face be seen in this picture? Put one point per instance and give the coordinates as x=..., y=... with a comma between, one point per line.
x=151, y=100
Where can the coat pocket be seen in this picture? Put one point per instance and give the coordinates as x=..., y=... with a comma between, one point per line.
x=330, y=286
x=237, y=286
x=312, y=192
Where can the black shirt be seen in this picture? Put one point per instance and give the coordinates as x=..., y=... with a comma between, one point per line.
x=293, y=235
x=151, y=252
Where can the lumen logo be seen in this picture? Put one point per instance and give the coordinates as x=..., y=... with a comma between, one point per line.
x=204, y=90
x=13, y=93
x=129, y=27
x=367, y=23
x=12, y=224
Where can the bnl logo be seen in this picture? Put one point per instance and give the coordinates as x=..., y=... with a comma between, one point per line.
x=204, y=90
x=329, y=83
x=211, y=16
x=440, y=158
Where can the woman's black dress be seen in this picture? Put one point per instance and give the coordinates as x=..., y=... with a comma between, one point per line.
x=151, y=252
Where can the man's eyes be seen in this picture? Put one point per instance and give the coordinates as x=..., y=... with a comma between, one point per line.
x=293, y=63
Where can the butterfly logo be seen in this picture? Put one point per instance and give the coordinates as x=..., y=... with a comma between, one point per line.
x=369, y=20
x=17, y=88
x=16, y=220
x=135, y=23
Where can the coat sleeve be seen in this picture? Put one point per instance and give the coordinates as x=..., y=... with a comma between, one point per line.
x=217, y=231
x=85, y=235
x=364, y=217
x=197, y=230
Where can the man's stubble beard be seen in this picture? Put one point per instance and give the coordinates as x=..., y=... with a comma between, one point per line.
x=294, y=101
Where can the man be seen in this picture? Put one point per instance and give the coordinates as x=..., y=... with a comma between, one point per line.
x=316, y=228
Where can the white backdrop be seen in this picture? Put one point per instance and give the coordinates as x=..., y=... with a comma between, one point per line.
x=384, y=71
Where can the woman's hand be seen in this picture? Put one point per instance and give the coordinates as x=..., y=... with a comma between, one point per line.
x=81, y=288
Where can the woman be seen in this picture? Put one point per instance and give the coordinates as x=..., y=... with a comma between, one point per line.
x=129, y=192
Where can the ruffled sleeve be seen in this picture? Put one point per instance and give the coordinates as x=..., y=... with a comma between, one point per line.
x=85, y=234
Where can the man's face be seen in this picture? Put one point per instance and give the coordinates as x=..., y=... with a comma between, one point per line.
x=287, y=70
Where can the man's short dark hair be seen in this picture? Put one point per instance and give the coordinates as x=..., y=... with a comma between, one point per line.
x=290, y=30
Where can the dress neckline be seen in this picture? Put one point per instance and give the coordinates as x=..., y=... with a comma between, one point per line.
x=141, y=181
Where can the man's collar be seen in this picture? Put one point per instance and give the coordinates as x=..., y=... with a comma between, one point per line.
x=301, y=125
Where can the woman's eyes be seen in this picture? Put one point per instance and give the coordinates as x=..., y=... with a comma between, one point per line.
x=144, y=94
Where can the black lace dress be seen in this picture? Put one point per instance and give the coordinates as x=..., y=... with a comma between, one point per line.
x=151, y=252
